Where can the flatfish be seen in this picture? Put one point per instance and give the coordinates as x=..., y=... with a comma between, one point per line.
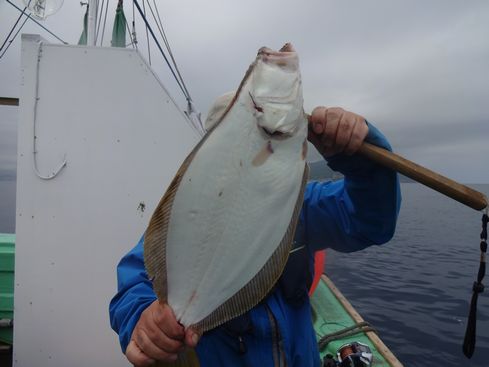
x=220, y=236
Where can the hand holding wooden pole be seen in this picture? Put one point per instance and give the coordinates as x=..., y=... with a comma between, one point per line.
x=444, y=185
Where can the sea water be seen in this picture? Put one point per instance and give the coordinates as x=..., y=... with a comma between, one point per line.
x=416, y=289
x=7, y=205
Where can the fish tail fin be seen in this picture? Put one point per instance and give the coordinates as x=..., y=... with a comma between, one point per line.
x=188, y=358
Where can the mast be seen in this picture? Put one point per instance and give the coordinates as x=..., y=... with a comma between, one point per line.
x=92, y=22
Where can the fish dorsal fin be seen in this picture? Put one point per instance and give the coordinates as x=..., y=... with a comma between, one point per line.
x=154, y=253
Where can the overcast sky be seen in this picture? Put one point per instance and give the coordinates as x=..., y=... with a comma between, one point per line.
x=419, y=70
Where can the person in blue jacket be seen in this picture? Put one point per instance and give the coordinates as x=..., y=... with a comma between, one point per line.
x=346, y=215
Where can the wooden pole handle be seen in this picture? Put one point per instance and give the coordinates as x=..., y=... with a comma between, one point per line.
x=444, y=185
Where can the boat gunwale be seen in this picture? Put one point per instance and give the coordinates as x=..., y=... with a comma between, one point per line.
x=371, y=335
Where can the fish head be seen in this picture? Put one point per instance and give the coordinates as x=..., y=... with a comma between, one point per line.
x=276, y=92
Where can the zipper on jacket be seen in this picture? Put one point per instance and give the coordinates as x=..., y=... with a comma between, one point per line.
x=241, y=346
x=277, y=345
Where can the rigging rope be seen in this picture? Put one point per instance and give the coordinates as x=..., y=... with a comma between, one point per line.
x=13, y=38
x=105, y=20
x=167, y=44
x=147, y=37
x=39, y=24
x=159, y=47
x=191, y=112
x=15, y=25
x=130, y=36
x=100, y=19
x=134, y=27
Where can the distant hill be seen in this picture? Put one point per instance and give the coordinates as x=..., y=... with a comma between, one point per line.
x=319, y=171
x=8, y=174
x=405, y=179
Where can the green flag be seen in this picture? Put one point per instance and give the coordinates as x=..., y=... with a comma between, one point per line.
x=119, y=30
x=83, y=37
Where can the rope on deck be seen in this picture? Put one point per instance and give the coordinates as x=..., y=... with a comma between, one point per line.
x=361, y=327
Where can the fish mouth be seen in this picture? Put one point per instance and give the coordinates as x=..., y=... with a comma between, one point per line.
x=268, y=51
x=286, y=58
x=275, y=134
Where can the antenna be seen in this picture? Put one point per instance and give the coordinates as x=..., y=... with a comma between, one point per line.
x=41, y=9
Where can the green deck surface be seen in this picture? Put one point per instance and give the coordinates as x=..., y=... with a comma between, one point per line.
x=329, y=316
x=7, y=264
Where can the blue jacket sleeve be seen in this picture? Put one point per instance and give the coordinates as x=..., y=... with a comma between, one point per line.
x=135, y=294
x=355, y=212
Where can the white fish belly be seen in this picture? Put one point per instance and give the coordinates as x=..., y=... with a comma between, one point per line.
x=229, y=216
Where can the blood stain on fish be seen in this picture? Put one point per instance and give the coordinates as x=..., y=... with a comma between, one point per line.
x=304, y=149
x=192, y=297
x=263, y=154
x=269, y=147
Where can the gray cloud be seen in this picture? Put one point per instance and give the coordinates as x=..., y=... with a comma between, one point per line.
x=417, y=70
x=456, y=150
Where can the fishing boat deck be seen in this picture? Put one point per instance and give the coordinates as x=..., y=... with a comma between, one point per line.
x=333, y=313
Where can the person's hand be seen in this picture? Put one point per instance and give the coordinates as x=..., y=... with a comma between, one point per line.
x=158, y=336
x=334, y=130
